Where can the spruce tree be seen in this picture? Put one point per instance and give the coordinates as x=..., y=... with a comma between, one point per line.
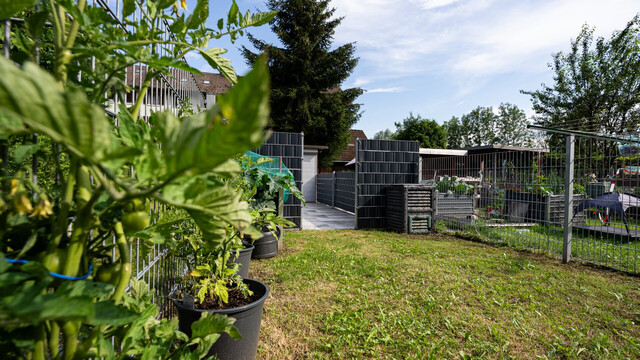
x=306, y=75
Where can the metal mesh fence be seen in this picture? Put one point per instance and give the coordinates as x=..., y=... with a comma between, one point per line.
x=325, y=189
x=345, y=191
x=579, y=199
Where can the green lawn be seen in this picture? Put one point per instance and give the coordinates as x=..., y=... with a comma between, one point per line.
x=378, y=295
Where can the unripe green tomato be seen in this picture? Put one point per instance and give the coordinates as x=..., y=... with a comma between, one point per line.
x=108, y=273
x=136, y=204
x=135, y=221
x=54, y=260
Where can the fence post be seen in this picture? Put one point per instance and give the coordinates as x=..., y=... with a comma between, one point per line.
x=568, y=199
x=334, y=188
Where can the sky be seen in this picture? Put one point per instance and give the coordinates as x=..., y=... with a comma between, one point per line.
x=443, y=58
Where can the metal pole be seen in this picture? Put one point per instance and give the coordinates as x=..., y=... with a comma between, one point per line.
x=333, y=190
x=357, y=165
x=568, y=199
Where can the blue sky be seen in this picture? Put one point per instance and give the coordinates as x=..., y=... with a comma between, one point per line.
x=443, y=58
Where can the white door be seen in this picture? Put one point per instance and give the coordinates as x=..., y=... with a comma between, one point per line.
x=309, y=171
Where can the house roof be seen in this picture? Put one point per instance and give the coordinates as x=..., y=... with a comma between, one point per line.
x=218, y=84
x=500, y=148
x=442, y=152
x=350, y=152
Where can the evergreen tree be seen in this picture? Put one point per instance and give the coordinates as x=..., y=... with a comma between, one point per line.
x=306, y=74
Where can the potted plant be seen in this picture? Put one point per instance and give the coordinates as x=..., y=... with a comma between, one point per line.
x=58, y=297
x=263, y=183
x=214, y=285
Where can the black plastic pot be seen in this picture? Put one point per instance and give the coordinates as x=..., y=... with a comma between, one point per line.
x=280, y=232
x=248, y=320
x=244, y=259
x=265, y=247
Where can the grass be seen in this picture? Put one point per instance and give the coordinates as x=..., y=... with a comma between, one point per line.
x=377, y=295
x=616, y=252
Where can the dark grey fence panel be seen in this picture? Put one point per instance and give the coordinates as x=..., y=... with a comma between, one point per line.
x=325, y=189
x=288, y=147
x=345, y=191
x=380, y=163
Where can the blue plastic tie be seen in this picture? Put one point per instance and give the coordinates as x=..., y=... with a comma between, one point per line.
x=60, y=276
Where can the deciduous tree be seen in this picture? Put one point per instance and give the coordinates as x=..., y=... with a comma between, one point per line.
x=428, y=132
x=506, y=125
x=596, y=84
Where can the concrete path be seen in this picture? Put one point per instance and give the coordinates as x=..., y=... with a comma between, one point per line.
x=317, y=216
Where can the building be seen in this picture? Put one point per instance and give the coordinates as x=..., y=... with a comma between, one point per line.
x=348, y=154
x=211, y=86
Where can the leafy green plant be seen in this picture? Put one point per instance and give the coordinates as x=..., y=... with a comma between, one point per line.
x=451, y=185
x=439, y=227
x=261, y=187
x=179, y=163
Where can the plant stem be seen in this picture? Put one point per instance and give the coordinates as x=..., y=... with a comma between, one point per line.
x=39, y=353
x=125, y=263
x=70, y=332
x=67, y=200
x=135, y=112
x=54, y=339
x=73, y=32
x=83, y=223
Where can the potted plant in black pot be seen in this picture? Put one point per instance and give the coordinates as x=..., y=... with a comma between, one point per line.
x=214, y=285
x=265, y=182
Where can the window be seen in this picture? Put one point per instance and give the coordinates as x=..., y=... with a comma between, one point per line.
x=207, y=82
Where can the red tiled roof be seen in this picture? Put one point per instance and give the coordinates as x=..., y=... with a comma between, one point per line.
x=350, y=152
x=218, y=84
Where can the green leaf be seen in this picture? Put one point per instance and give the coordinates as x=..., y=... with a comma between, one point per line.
x=128, y=7
x=207, y=330
x=199, y=15
x=217, y=62
x=130, y=132
x=4, y=264
x=260, y=19
x=232, y=15
x=11, y=125
x=108, y=313
x=211, y=203
x=85, y=288
x=24, y=151
x=9, y=8
x=32, y=95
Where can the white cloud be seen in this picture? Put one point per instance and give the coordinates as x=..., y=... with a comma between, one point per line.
x=385, y=90
x=434, y=4
x=469, y=38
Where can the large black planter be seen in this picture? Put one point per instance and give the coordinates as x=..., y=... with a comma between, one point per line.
x=244, y=259
x=265, y=247
x=280, y=232
x=248, y=320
